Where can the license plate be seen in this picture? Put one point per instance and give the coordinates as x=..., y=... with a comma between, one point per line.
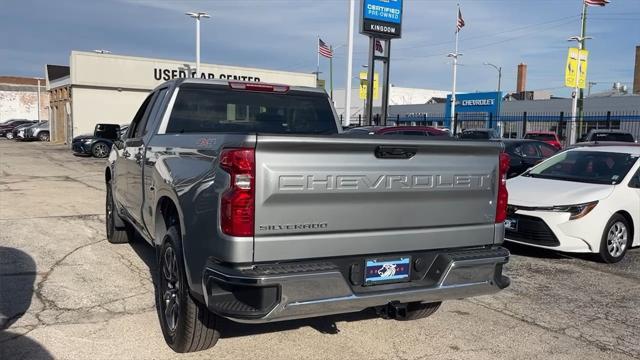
x=511, y=224
x=389, y=270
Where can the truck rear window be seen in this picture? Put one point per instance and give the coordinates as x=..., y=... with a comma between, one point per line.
x=201, y=108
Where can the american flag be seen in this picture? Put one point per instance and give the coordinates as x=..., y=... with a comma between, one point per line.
x=460, y=24
x=379, y=47
x=596, y=2
x=324, y=49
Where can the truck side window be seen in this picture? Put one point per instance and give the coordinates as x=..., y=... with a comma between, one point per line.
x=155, y=109
x=139, y=116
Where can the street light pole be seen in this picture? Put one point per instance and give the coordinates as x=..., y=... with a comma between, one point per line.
x=574, y=105
x=499, y=69
x=198, y=15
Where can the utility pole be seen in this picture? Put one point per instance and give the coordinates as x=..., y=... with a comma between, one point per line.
x=576, y=89
x=582, y=47
x=198, y=15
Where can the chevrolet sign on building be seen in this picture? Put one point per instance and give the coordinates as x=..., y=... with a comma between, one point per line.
x=487, y=103
x=106, y=88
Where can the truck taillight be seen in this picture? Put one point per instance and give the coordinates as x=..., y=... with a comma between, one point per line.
x=237, y=206
x=503, y=194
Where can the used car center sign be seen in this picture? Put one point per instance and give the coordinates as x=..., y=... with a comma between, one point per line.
x=381, y=18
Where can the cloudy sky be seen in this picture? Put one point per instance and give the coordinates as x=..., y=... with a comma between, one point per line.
x=281, y=34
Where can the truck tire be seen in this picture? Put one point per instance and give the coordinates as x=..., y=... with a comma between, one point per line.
x=43, y=136
x=115, y=234
x=187, y=325
x=416, y=310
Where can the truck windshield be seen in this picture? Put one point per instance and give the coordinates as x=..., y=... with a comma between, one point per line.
x=595, y=167
x=201, y=108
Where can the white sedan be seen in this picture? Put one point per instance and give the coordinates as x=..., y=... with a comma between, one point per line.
x=583, y=200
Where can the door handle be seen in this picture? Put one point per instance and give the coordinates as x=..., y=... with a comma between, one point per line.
x=394, y=152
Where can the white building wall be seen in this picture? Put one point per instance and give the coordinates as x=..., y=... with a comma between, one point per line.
x=21, y=104
x=93, y=106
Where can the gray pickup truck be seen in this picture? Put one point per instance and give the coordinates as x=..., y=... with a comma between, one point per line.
x=261, y=210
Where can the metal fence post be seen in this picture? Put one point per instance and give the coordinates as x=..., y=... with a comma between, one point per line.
x=490, y=121
x=609, y=124
x=524, y=123
x=561, y=124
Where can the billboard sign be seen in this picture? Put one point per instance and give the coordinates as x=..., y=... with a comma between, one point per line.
x=381, y=18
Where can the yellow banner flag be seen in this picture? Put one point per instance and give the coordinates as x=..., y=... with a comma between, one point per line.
x=363, y=86
x=576, y=69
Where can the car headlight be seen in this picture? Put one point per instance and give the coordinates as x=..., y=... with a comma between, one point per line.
x=577, y=211
x=87, y=141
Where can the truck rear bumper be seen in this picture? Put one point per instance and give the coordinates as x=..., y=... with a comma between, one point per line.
x=299, y=290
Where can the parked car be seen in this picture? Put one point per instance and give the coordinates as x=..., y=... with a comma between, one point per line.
x=549, y=137
x=608, y=135
x=399, y=130
x=100, y=142
x=479, y=134
x=8, y=126
x=600, y=144
x=18, y=132
x=525, y=154
x=38, y=131
x=583, y=200
x=260, y=213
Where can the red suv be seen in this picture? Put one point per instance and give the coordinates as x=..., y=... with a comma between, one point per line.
x=549, y=137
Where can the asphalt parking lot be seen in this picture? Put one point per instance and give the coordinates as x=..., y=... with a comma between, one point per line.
x=66, y=293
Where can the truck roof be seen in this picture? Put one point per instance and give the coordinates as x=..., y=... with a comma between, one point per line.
x=180, y=81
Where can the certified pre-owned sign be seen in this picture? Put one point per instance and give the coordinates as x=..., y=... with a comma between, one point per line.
x=381, y=18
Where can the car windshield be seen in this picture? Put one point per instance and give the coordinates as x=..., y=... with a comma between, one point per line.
x=594, y=167
x=541, y=137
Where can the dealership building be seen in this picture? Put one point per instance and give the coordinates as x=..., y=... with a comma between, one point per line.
x=106, y=88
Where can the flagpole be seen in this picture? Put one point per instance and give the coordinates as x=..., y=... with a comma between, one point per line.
x=455, y=75
x=331, y=73
x=317, y=60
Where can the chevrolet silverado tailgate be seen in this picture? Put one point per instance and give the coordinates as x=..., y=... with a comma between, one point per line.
x=337, y=196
